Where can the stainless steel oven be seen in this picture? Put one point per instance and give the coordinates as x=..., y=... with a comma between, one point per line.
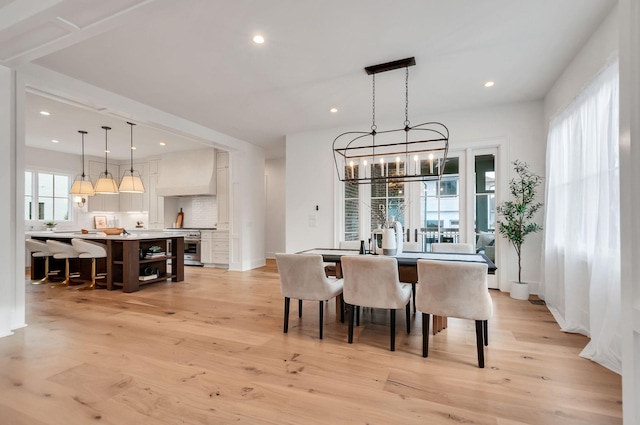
x=192, y=246
x=192, y=251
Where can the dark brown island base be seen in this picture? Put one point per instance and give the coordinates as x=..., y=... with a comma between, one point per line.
x=131, y=261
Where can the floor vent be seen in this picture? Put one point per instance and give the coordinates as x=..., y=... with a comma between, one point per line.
x=537, y=302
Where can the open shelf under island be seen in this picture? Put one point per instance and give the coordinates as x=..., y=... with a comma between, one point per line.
x=127, y=264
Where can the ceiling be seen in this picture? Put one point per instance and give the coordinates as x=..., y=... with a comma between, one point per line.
x=195, y=59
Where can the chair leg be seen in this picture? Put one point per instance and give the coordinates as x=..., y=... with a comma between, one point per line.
x=408, y=310
x=45, y=279
x=341, y=308
x=425, y=334
x=287, y=302
x=357, y=315
x=321, y=318
x=413, y=292
x=93, y=277
x=393, y=329
x=67, y=276
x=485, y=328
x=479, y=343
x=299, y=308
x=350, y=309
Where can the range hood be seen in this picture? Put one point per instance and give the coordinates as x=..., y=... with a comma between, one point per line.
x=188, y=173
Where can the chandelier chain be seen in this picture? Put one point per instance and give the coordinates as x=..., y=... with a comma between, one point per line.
x=406, y=98
x=373, y=125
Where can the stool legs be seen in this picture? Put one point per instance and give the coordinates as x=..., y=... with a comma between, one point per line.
x=94, y=277
x=67, y=276
x=45, y=279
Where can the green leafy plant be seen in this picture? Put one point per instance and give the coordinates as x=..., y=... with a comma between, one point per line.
x=518, y=213
x=50, y=223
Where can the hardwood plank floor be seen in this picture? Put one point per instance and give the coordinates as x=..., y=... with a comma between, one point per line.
x=210, y=350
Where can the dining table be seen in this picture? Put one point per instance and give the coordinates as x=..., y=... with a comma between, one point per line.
x=407, y=268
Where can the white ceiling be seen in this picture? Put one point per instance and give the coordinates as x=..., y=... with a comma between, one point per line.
x=195, y=58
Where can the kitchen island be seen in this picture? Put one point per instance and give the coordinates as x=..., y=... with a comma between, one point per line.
x=129, y=262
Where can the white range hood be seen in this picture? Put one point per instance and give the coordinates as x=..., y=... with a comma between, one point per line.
x=188, y=173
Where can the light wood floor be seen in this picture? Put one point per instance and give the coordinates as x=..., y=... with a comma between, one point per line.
x=211, y=350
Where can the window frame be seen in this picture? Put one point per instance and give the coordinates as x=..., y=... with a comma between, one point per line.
x=35, y=195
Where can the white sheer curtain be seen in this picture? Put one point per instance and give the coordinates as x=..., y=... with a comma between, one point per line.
x=582, y=221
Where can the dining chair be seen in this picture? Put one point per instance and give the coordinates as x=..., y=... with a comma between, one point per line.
x=454, y=289
x=63, y=251
x=372, y=281
x=459, y=248
x=302, y=277
x=39, y=249
x=92, y=250
x=330, y=268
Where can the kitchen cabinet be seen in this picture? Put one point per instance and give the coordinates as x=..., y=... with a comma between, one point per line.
x=222, y=187
x=220, y=248
x=156, y=203
x=206, y=247
x=136, y=201
x=103, y=202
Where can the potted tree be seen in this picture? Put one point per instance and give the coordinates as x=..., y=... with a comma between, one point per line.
x=517, y=218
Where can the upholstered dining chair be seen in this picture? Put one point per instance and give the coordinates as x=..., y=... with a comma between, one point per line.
x=63, y=251
x=302, y=277
x=454, y=289
x=372, y=281
x=330, y=268
x=39, y=249
x=459, y=248
x=92, y=250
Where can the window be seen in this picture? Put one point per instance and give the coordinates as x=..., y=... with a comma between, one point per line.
x=440, y=206
x=46, y=196
x=351, y=210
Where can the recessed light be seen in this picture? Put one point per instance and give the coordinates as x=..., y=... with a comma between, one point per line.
x=133, y=148
x=107, y=151
x=45, y=113
x=333, y=110
x=489, y=84
x=163, y=144
x=258, y=39
x=54, y=141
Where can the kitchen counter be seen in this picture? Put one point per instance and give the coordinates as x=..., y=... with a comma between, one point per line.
x=124, y=264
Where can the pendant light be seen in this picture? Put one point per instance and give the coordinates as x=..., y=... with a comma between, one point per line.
x=131, y=181
x=414, y=149
x=82, y=185
x=106, y=184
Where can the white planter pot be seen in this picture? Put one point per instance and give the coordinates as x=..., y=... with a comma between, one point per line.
x=519, y=291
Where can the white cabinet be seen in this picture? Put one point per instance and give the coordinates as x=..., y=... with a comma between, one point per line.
x=222, y=187
x=220, y=248
x=136, y=201
x=156, y=203
x=206, y=247
x=103, y=202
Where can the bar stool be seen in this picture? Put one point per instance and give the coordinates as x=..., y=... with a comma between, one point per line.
x=91, y=250
x=39, y=249
x=64, y=251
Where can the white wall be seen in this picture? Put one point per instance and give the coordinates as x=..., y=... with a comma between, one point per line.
x=601, y=47
x=275, y=182
x=311, y=175
x=247, y=205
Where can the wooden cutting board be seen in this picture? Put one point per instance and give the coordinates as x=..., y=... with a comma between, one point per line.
x=180, y=219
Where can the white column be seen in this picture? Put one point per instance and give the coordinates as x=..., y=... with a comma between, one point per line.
x=629, y=17
x=12, y=282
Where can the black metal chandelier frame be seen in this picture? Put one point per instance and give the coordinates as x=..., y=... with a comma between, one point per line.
x=424, y=148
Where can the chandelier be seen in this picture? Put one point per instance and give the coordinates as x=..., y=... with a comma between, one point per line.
x=410, y=153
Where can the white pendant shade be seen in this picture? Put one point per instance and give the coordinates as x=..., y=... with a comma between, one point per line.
x=106, y=185
x=131, y=183
x=82, y=186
